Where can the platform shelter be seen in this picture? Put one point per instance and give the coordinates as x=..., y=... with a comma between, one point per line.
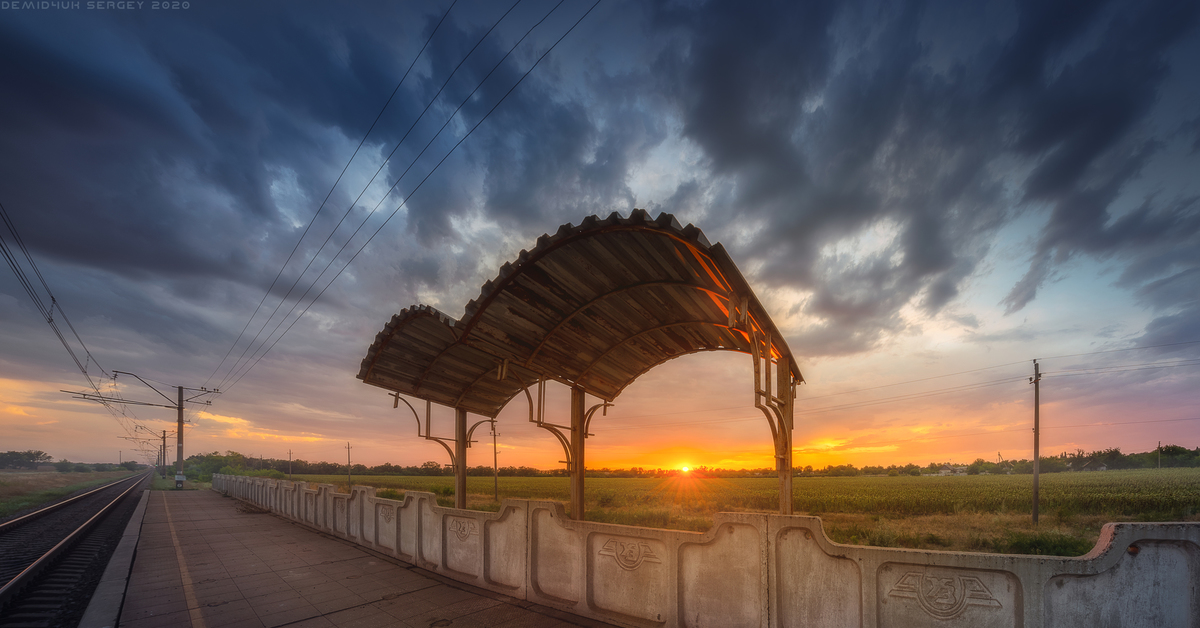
x=593, y=307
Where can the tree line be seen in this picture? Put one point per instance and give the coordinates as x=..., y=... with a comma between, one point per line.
x=1079, y=460
x=28, y=459
x=202, y=466
x=32, y=458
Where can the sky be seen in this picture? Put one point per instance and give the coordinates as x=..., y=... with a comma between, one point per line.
x=926, y=196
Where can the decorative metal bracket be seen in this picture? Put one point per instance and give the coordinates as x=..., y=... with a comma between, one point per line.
x=771, y=405
x=587, y=418
x=429, y=411
x=477, y=424
x=537, y=413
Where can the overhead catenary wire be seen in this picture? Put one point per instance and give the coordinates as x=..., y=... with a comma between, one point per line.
x=331, y=189
x=412, y=163
x=47, y=312
x=233, y=369
x=414, y=190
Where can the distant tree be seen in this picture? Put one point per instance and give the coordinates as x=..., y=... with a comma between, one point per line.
x=64, y=466
x=841, y=470
x=28, y=459
x=983, y=466
x=130, y=465
x=431, y=468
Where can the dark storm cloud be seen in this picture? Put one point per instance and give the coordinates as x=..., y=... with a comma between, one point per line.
x=826, y=119
x=549, y=156
x=189, y=151
x=1082, y=126
x=821, y=147
x=160, y=138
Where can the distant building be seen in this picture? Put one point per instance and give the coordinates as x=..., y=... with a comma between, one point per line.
x=949, y=470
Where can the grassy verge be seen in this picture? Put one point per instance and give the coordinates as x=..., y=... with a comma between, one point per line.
x=27, y=491
x=969, y=513
x=160, y=483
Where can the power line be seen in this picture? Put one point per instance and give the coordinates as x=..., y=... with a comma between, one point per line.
x=913, y=381
x=422, y=182
x=847, y=406
x=412, y=163
x=1169, y=344
x=1022, y=428
x=1105, y=370
x=1058, y=373
x=331, y=189
x=46, y=312
x=233, y=370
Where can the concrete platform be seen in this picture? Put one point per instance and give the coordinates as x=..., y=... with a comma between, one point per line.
x=210, y=561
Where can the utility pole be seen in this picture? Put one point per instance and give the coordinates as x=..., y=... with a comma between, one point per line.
x=175, y=404
x=1036, y=381
x=179, y=442
x=120, y=461
x=495, y=466
x=162, y=456
x=1160, y=454
x=349, y=482
x=289, y=465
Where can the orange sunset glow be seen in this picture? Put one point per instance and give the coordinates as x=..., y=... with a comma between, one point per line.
x=916, y=228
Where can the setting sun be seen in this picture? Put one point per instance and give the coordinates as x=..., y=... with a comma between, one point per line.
x=685, y=469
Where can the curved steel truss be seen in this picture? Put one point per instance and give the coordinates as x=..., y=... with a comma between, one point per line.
x=593, y=307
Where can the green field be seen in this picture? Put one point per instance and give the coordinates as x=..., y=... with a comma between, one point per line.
x=983, y=513
x=27, y=490
x=1153, y=495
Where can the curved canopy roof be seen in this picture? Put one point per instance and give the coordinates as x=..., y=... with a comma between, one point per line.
x=593, y=306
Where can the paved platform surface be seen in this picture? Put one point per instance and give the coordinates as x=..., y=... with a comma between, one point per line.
x=209, y=561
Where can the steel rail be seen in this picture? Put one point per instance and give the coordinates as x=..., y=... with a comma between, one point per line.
x=14, y=586
x=23, y=519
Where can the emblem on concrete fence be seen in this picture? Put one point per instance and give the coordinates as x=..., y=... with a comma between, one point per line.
x=943, y=596
x=463, y=528
x=341, y=506
x=629, y=555
x=388, y=513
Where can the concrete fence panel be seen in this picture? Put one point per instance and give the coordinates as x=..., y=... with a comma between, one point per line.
x=755, y=570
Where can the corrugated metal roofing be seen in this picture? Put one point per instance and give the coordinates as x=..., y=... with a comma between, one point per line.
x=593, y=306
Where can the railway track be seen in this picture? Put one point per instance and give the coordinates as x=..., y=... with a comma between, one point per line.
x=51, y=559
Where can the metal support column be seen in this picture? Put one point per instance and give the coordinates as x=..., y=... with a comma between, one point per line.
x=578, y=434
x=179, y=436
x=460, y=458
x=784, y=455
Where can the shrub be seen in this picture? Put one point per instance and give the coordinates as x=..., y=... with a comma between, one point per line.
x=389, y=493
x=1044, y=543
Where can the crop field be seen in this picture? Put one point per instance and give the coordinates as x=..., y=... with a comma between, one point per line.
x=975, y=513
